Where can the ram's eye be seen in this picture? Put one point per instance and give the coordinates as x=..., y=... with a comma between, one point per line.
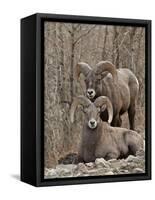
x=86, y=80
x=85, y=110
x=98, y=78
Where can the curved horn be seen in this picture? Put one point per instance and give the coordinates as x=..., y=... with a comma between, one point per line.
x=83, y=68
x=102, y=100
x=80, y=100
x=106, y=66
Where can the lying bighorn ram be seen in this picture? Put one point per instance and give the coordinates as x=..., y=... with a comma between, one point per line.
x=99, y=139
x=120, y=85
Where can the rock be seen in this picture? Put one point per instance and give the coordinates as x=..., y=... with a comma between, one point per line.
x=140, y=153
x=46, y=171
x=86, y=174
x=66, y=170
x=116, y=170
x=138, y=170
x=132, y=158
x=115, y=164
x=51, y=173
x=123, y=165
x=101, y=167
x=63, y=172
x=79, y=174
x=70, y=167
x=100, y=162
x=101, y=170
x=109, y=173
x=93, y=172
x=82, y=168
x=124, y=171
x=113, y=160
x=90, y=165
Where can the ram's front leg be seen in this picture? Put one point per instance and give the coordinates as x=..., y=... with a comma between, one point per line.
x=117, y=121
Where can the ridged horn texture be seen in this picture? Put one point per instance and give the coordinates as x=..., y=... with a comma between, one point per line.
x=80, y=100
x=102, y=100
x=83, y=68
x=104, y=66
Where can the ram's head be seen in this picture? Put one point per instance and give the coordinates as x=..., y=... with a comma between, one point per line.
x=92, y=110
x=93, y=77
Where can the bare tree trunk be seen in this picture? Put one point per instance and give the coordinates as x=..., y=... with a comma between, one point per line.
x=61, y=61
x=132, y=34
x=104, y=44
x=116, y=32
x=72, y=63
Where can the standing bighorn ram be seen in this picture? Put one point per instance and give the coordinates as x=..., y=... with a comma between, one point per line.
x=99, y=139
x=120, y=85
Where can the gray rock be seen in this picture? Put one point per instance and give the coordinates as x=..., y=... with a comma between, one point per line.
x=116, y=170
x=82, y=168
x=138, y=170
x=114, y=163
x=102, y=170
x=51, y=173
x=100, y=162
x=123, y=165
x=101, y=167
x=140, y=153
x=93, y=172
x=132, y=158
x=113, y=160
x=46, y=171
x=124, y=171
x=90, y=165
x=109, y=173
x=78, y=174
x=65, y=170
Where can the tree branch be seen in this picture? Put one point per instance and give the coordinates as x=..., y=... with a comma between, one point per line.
x=125, y=34
x=69, y=31
x=86, y=33
x=77, y=28
x=127, y=50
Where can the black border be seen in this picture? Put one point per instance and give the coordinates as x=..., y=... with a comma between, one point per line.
x=39, y=145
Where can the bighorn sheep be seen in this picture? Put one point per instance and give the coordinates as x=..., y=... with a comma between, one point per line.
x=120, y=85
x=99, y=139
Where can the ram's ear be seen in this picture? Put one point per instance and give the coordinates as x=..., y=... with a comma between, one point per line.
x=103, y=108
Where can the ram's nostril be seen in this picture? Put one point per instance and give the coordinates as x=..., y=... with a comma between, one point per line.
x=90, y=92
x=92, y=122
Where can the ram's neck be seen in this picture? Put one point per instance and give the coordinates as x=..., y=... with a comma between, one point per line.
x=89, y=140
x=105, y=128
x=91, y=136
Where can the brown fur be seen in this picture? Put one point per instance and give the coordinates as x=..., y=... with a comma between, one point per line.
x=122, y=91
x=106, y=141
